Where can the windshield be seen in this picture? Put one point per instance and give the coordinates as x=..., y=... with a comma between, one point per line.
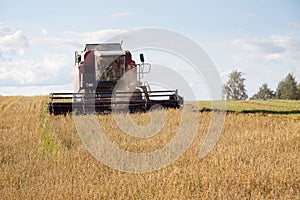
x=109, y=68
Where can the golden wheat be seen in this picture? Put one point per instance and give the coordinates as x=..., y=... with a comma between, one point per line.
x=41, y=156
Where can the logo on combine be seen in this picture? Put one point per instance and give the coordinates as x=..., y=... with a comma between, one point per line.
x=108, y=80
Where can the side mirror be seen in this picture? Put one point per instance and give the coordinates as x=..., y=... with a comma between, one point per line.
x=142, y=58
x=77, y=57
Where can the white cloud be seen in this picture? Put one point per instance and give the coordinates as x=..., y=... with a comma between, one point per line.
x=97, y=36
x=4, y=30
x=273, y=56
x=45, y=31
x=11, y=43
x=56, y=43
x=261, y=45
x=276, y=47
x=294, y=25
x=286, y=42
x=248, y=15
x=54, y=64
x=75, y=40
x=20, y=72
x=122, y=15
x=53, y=69
x=35, y=90
x=17, y=70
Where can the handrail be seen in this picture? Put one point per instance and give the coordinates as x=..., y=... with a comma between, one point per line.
x=142, y=71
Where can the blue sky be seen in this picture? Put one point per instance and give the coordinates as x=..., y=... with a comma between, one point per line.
x=38, y=38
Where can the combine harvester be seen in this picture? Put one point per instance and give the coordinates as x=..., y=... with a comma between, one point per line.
x=106, y=79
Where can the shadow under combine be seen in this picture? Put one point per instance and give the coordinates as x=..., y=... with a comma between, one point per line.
x=259, y=111
x=283, y=112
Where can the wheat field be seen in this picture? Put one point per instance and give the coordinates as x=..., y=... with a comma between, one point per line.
x=42, y=157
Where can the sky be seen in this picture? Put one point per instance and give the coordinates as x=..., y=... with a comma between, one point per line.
x=38, y=38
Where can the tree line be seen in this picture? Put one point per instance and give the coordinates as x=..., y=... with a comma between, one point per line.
x=234, y=89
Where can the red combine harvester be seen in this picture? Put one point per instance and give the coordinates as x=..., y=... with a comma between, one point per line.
x=107, y=79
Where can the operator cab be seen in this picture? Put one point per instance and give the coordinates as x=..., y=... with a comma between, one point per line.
x=101, y=66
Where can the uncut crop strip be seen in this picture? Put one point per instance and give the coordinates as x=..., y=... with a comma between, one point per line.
x=47, y=139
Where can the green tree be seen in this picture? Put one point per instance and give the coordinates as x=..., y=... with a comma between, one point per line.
x=264, y=93
x=298, y=90
x=287, y=88
x=235, y=87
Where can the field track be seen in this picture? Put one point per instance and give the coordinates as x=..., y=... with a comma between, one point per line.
x=257, y=156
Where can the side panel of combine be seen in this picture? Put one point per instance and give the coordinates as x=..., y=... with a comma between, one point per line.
x=76, y=78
